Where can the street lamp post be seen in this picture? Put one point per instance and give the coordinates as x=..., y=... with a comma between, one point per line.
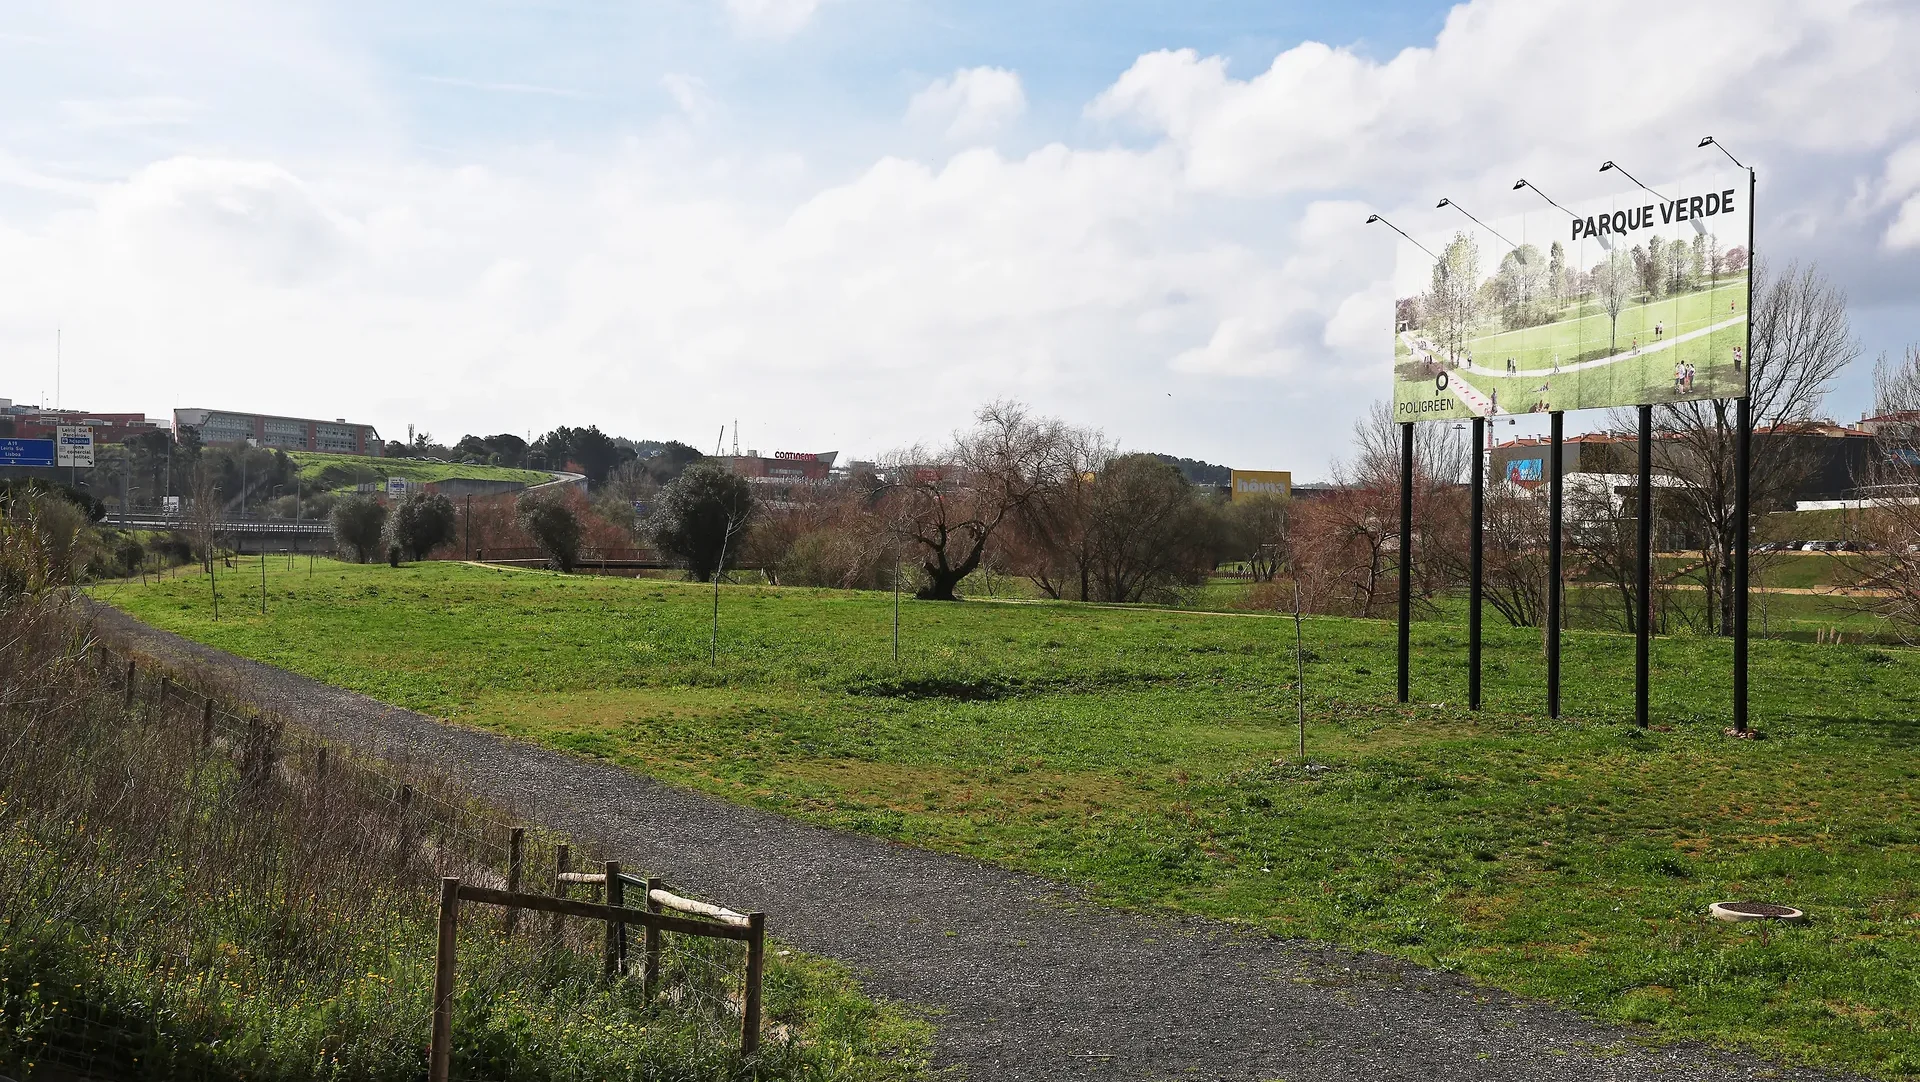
x=1405, y=630
x=1643, y=496
x=1742, y=465
x=1556, y=453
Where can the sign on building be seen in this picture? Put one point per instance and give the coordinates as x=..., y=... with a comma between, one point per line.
x=1525, y=470
x=75, y=444
x=26, y=452
x=1262, y=483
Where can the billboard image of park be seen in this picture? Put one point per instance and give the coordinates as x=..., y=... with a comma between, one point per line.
x=1625, y=300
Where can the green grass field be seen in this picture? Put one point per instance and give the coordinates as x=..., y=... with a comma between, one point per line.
x=334, y=472
x=1150, y=755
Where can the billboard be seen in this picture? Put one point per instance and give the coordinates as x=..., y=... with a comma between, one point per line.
x=1618, y=301
x=1262, y=483
x=1525, y=470
x=75, y=445
x=26, y=452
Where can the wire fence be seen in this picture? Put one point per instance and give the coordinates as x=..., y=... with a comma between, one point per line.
x=193, y=890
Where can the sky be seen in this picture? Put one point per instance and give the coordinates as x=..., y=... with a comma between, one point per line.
x=846, y=224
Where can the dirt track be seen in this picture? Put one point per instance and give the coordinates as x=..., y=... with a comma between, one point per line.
x=1024, y=979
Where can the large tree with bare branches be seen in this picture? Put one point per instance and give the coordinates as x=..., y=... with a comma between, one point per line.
x=948, y=505
x=1801, y=340
x=1889, y=520
x=1345, y=542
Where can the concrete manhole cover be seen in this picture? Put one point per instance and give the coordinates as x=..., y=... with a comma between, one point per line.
x=1755, y=911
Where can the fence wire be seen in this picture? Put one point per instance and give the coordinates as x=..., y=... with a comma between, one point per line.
x=189, y=890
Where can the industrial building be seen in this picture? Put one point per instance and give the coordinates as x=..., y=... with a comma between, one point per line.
x=36, y=423
x=783, y=466
x=225, y=428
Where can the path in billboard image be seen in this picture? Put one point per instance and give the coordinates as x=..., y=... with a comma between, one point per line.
x=1627, y=305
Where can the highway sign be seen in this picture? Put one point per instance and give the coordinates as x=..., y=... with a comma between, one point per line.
x=75, y=445
x=26, y=452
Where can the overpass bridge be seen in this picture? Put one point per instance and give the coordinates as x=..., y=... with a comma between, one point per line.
x=246, y=533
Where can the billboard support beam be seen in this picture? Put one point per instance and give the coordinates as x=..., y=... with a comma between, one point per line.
x=1742, y=461
x=1477, y=561
x=1406, y=549
x=1643, y=575
x=1554, y=503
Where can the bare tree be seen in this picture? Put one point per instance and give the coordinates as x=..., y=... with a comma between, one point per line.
x=947, y=506
x=1515, y=539
x=1602, y=547
x=203, y=517
x=1801, y=340
x=1889, y=520
x=1257, y=533
x=1050, y=542
x=1148, y=536
x=1345, y=543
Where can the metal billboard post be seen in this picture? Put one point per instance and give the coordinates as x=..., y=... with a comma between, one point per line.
x=1643, y=575
x=1554, y=587
x=1477, y=554
x=1742, y=465
x=1406, y=551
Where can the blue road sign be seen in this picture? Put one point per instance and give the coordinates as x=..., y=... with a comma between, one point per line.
x=26, y=452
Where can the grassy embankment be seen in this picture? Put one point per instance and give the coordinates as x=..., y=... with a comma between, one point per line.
x=1150, y=755
x=335, y=472
x=174, y=910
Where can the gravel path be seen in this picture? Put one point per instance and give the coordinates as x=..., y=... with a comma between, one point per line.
x=1024, y=980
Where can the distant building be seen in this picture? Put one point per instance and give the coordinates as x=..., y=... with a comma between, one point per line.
x=36, y=423
x=1262, y=483
x=783, y=466
x=222, y=428
x=1834, y=458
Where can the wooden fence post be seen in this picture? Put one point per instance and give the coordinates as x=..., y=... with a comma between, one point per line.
x=130, y=676
x=440, y=1054
x=516, y=862
x=616, y=930
x=756, y=970
x=562, y=864
x=206, y=723
x=650, y=980
x=320, y=771
x=166, y=688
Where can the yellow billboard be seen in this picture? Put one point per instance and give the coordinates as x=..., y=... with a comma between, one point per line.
x=1262, y=483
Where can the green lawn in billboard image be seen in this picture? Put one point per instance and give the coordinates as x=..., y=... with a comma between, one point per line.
x=1585, y=360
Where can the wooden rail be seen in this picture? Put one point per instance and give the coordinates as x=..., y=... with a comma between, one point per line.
x=748, y=928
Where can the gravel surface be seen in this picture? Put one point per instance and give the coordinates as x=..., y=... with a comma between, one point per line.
x=1022, y=978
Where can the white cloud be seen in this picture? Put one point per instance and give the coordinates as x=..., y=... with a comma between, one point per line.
x=971, y=105
x=771, y=18
x=690, y=95
x=1511, y=80
x=660, y=286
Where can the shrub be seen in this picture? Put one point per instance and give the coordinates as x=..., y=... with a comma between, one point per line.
x=554, y=527
x=358, y=522
x=700, y=518
x=420, y=523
